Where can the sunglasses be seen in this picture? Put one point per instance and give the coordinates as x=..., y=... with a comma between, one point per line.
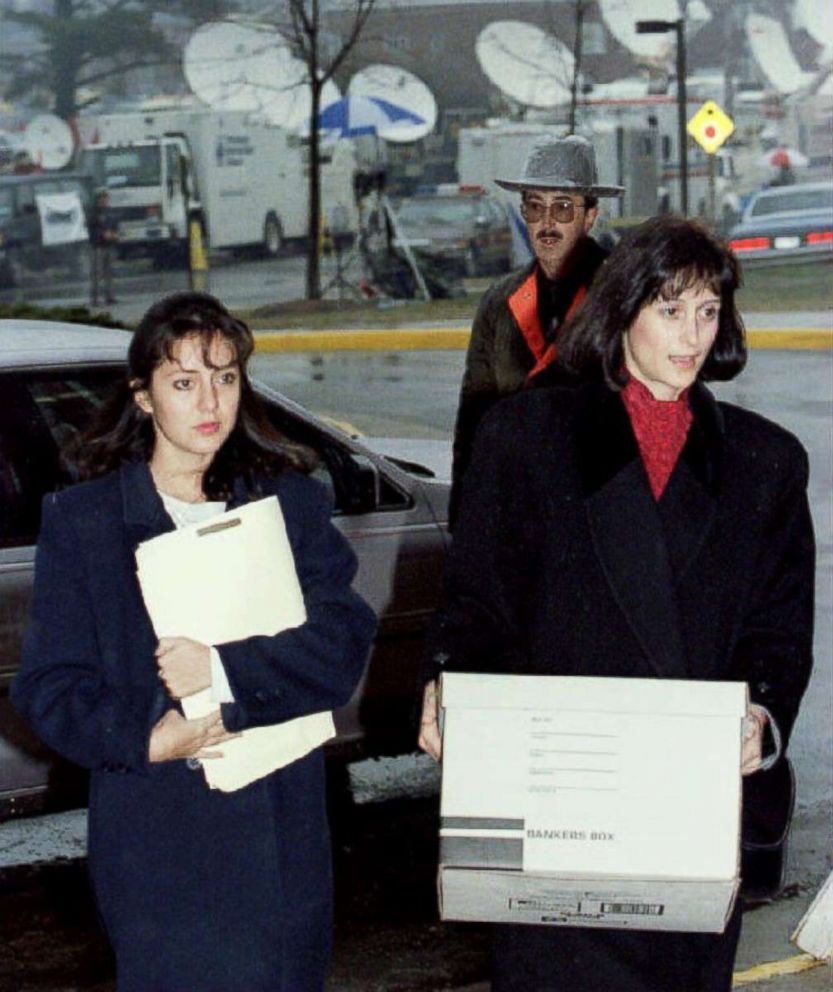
x=562, y=211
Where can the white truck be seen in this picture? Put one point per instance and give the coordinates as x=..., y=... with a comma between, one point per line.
x=245, y=181
x=630, y=152
x=624, y=156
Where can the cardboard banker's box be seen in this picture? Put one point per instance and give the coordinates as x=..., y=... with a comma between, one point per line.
x=590, y=801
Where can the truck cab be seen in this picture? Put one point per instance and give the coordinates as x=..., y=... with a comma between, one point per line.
x=152, y=190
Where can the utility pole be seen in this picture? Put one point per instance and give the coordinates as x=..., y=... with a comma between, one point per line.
x=678, y=26
x=576, y=64
x=682, y=114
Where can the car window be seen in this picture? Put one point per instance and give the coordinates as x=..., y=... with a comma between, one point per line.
x=172, y=166
x=355, y=483
x=439, y=210
x=6, y=203
x=788, y=200
x=133, y=165
x=25, y=200
x=494, y=211
x=63, y=185
x=41, y=412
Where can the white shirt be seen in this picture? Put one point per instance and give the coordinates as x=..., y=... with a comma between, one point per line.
x=186, y=514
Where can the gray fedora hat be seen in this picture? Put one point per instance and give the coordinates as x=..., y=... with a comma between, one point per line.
x=561, y=163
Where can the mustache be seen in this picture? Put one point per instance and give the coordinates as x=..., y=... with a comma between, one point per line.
x=549, y=234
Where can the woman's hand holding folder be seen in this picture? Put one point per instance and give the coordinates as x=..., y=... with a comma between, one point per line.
x=174, y=737
x=184, y=665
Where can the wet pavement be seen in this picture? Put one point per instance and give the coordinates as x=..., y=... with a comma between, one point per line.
x=387, y=934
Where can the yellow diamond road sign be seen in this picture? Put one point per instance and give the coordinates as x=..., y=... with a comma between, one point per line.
x=710, y=127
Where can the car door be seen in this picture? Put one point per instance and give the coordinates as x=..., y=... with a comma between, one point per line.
x=382, y=511
x=400, y=545
x=500, y=237
x=40, y=412
x=26, y=232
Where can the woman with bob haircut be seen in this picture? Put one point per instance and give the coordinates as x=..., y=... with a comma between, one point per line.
x=198, y=889
x=633, y=526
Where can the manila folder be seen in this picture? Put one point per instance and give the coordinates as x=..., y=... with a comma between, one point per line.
x=226, y=579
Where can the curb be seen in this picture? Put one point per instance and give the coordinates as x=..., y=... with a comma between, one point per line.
x=457, y=338
x=759, y=973
x=403, y=339
x=772, y=969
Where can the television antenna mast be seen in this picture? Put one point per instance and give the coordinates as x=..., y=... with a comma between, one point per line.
x=403, y=89
x=249, y=67
x=525, y=63
x=48, y=141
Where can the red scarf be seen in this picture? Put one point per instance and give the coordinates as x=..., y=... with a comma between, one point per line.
x=661, y=427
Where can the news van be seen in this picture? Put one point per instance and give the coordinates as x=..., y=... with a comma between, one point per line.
x=243, y=180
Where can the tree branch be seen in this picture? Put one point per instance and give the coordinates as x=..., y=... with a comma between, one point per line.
x=364, y=9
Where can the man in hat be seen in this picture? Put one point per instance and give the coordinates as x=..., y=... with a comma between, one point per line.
x=514, y=330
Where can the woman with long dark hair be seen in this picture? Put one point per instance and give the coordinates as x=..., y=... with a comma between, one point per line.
x=198, y=889
x=635, y=527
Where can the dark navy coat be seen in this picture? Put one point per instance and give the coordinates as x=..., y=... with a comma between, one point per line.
x=564, y=564
x=198, y=889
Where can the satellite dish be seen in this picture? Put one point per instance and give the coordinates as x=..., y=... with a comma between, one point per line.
x=697, y=13
x=621, y=16
x=813, y=16
x=401, y=88
x=222, y=58
x=292, y=106
x=48, y=141
x=249, y=67
x=525, y=63
x=771, y=50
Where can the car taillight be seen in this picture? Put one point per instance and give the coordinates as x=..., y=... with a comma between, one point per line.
x=749, y=244
x=153, y=211
x=820, y=238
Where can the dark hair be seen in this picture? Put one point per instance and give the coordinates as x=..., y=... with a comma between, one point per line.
x=122, y=432
x=662, y=257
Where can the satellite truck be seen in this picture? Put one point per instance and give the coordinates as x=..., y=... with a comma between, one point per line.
x=243, y=180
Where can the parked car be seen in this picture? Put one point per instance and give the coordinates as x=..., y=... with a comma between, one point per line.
x=461, y=226
x=31, y=235
x=786, y=220
x=52, y=377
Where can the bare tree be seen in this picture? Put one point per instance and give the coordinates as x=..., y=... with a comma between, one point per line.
x=80, y=44
x=322, y=34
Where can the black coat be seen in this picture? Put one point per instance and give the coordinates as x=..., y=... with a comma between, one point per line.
x=198, y=889
x=563, y=563
x=509, y=344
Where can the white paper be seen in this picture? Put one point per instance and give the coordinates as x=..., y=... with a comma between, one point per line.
x=227, y=579
x=614, y=790
x=61, y=218
x=619, y=777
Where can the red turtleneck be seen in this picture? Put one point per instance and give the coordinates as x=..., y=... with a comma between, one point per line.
x=661, y=427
